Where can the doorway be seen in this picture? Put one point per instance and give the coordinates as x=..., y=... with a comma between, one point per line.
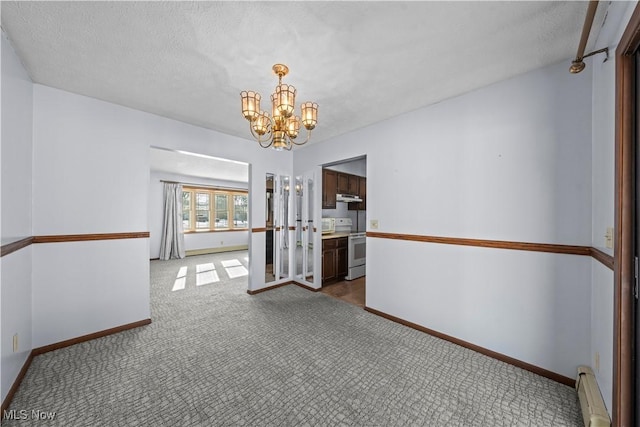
x=626, y=388
x=344, y=209
x=214, y=219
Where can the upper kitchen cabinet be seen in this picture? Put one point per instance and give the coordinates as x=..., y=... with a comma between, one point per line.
x=348, y=183
x=334, y=182
x=362, y=193
x=343, y=183
x=354, y=185
x=329, y=188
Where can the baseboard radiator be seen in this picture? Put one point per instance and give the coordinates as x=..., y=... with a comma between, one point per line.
x=594, y=412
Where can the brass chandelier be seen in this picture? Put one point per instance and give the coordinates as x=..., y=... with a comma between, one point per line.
x=280, y=129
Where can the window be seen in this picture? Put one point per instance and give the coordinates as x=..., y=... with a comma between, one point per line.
x=186, y=210
x=209, y=209
x=240, y=210
x=222, y=211
x=202, y=210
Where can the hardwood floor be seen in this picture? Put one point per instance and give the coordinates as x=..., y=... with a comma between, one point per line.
x=351, y=291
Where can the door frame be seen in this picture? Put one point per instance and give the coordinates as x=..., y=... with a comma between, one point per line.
x=623, y=383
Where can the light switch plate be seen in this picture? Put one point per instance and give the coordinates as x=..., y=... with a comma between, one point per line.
x=609, y=238
x=15, y=343
x=373, y=224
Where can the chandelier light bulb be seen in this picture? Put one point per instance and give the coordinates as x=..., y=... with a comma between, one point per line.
x=262, y=123
x=309, y=115
x=292, y=126
x=276, y=113
x=285, y=99
x=250, y=105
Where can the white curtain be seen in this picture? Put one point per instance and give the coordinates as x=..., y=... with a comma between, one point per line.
x=172, y=242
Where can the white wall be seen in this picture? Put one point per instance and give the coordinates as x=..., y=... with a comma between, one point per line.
x=601, y=334
x=530, y=306
x=193, y=241
x=91, y=175
x=85, y=287
x=511, y=161
x=15, y=271
x=603, y=187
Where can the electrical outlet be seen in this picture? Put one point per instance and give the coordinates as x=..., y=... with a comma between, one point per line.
x=373, y=224
x=608, y=238
x=15, y=343
x=597, y=361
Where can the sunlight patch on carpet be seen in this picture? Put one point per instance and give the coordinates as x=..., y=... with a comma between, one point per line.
x=205, y=267
x=207, y=277
x=234, y=268
x=181, y=279
x=238, y=271
x=179, y=284
x=230, y=263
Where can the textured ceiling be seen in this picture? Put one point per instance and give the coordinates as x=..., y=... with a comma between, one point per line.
x=362, y=62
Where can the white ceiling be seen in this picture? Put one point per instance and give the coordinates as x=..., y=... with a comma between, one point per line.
x=363, y=62
x=197, y=165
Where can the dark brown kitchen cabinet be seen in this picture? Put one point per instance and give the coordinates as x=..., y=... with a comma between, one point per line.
x=335, y=262
x=334, y=182
x=362, y=192
x=354, y=184
x=329, y=187
x=343, y=183
x=342, y=260
x=328, y=265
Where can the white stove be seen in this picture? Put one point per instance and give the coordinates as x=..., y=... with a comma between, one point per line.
x=357, y=253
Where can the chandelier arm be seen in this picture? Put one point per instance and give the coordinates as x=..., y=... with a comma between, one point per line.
x=305, y=141
x=259, y=138
x=269, y=143
x=253, y=134
x=289, y=140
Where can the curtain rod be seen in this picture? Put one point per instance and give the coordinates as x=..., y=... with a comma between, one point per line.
x=217, y=187
x=577, y=64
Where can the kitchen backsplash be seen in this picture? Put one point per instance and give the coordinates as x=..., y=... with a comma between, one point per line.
x=359, y=220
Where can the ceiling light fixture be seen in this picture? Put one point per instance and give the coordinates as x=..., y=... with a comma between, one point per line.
x=281, y=128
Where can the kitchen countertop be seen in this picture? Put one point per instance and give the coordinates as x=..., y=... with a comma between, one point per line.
x=334, y=235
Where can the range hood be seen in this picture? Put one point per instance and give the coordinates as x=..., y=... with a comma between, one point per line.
x=347, y=198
